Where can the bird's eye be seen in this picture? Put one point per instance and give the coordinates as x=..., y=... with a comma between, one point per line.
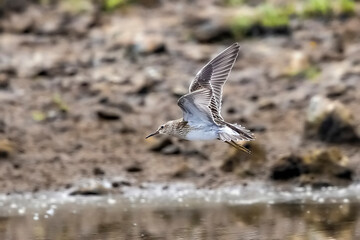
x=161, y=127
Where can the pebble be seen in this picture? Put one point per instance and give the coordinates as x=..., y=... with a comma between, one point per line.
x=108, y=114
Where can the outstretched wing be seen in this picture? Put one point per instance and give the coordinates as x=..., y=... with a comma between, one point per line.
x=195, y=107
x=213, y=76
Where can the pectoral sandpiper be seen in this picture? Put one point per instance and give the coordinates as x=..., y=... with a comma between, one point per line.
x=202, y=105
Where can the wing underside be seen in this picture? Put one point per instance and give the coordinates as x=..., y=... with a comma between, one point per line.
x=195, y=107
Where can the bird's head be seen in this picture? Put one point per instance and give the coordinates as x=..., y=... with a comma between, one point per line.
x=163, y=129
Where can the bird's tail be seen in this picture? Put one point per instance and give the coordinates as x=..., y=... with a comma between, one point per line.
x=240, y=133
x=231, y=133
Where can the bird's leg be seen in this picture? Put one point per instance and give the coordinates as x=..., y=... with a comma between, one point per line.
x=238, y=146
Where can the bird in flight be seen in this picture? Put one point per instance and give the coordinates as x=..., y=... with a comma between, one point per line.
x=201, y=107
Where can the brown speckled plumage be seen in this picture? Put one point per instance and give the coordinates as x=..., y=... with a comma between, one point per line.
x=179, y=128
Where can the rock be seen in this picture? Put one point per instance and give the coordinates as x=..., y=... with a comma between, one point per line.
x=336, y=90
x=162, y=144
x=254, y=97
x=127, y=129
x=154, y=74
x=125, y=107
x=266, y=104
x=4, y=81
x=178, y=90
x=116, y=184
x=51, y=23
x=330, y=121
x=244, y=164
x=19, y=22
x=290, y=64
x=298, y=62
x=98, y=171
x=326, y=167
x=171, y=149
x=108, y=114
x=7, y=148
x=287, y=167
x=13, y=5
x=190, y=150
x=333, y=48
x=197, y=53
x=114, y=101
x=145, y=83
x=321, y=167
x=135, y=168
x=326, y=160
x=101, y=88
x=79, y=24
x=257, y=128
x=145, y=44
x=90, y=188
x=142, y=84
x=2, y=126
x=156, y=144
x=211, y=30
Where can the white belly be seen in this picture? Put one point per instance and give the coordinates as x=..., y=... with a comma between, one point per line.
x=202, y=134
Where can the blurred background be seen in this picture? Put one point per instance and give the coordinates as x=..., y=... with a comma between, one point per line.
x=82, y=82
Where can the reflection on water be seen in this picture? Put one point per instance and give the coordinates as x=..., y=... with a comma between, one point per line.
x=119, y=220
x=181, y=211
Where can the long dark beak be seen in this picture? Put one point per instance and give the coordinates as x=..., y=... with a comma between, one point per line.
x=153, y=134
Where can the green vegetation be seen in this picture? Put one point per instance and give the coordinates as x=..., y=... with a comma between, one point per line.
x=326, y=8
x=74, y=6
x=60, y=103
x=240, y=25
x=110, y=5
x=86, y=5
x=318, y=8
x=38, y=116
x=265, y=15
x=309, y=73
x=347, y=6
x=44, y=2
x=268, y=15
x=272, y=17
x=234, y=2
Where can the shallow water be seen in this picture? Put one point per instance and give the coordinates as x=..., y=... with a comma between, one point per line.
x=184, y=212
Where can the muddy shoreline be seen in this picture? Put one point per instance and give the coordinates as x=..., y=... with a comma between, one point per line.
x=79, y=93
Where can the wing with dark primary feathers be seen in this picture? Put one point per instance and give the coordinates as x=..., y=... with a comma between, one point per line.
x=214, y=75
